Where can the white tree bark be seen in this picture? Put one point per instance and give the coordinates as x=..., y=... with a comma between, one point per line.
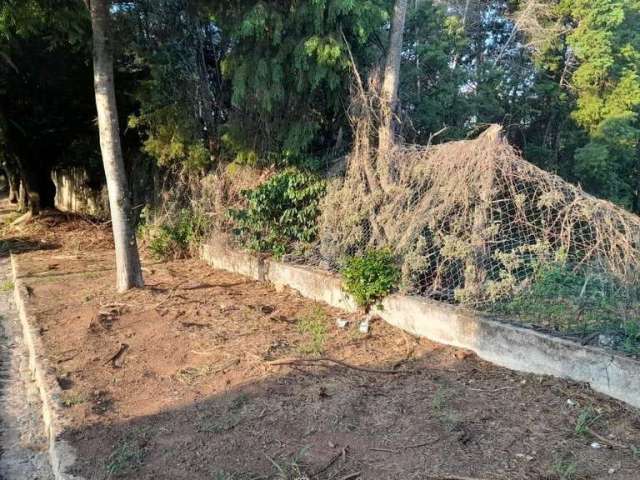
x=391, y=79
x=128, y=269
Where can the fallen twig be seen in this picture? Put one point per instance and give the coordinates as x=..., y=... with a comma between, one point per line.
x=333, y=460
x=351, y=476
x=312, y=361
x=453, y=477
x=491, y=391
x=388, y=450
x=606, y=440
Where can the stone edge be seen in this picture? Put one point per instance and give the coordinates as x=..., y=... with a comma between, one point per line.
x=501, y=343
x=61, y=454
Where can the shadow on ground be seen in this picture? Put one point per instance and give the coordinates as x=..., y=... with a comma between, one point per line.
x=329, y=423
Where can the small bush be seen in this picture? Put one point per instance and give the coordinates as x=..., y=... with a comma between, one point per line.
x=280, y=212
x=174, y=237
x=371, y=277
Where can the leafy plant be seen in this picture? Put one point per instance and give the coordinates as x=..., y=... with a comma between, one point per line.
x=174, y=237
x=371, y=277
x=280, y=212
x=586, y=418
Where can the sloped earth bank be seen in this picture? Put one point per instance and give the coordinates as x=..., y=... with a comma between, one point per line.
x=194, y=392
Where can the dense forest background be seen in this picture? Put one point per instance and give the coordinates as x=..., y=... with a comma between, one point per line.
x=207, y=84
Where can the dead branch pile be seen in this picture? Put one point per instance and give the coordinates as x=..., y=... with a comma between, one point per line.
x=472, y=219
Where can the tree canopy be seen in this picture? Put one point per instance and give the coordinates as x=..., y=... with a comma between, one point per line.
x=208, y=83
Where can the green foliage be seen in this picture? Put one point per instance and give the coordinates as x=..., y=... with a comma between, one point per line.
x=289, y=72
x=564, y=467
x=606, y=42
x=429, y=87
x=173, y=237
x=586, y=418
x=313, y=325
x=280, y=212
x=169, y=139
x=371, y=277
x=569, y=300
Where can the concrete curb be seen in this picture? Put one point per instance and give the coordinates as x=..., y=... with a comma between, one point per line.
x=500, y=343
x=61, y=454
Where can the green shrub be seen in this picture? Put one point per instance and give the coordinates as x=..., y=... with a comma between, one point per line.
x=371, y=277
x=280, y=212
x=174, y=237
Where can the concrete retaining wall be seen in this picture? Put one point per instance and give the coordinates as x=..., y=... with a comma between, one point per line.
x=500, y=343
x=74, y=193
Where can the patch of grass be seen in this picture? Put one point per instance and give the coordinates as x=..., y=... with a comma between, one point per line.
x=239, y=402
x=443, y=411
x=173, y=237
x=564, y=468
x=6, y=286
x=440, y=400
x=573, y=301
x=586, y=418
x=313, y=324
x=289, y=468
x=70, y=399
x=126, y=458
x=220, y=424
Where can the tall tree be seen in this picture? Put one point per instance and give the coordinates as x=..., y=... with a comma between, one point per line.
x=128, y=269
x=391, y=78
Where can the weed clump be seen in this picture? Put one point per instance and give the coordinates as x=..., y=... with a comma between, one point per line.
x=174, y=236
x=313, y=325
x=370, y=277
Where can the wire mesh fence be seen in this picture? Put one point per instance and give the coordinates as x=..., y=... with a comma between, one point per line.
x=469, y=223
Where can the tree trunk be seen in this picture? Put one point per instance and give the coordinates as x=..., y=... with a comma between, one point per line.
x=13, y=183
x=128, y=269
x=391, y=79
x=22, y=198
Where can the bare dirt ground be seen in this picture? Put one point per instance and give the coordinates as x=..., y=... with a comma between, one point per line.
x=180, y=380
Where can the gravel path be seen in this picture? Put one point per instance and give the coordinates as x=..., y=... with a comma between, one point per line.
x=23, y=446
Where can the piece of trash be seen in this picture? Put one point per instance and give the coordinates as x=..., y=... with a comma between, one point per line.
x=364, y=326
x=571, y=403
x=612, y=471
x=528, y=458
x=596, y=445
x=341, y=322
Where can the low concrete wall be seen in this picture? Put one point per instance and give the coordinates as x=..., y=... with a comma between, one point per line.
x=75, y=194
x=500, y=343
x=62, y=455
